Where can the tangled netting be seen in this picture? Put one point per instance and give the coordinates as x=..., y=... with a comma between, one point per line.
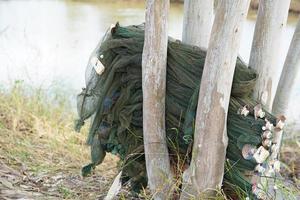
x=113, y=99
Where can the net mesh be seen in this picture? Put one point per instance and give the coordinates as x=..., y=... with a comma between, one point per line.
x=114, y=102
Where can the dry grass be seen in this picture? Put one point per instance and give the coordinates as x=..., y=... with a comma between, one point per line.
x=41, y=155
x=290, y=155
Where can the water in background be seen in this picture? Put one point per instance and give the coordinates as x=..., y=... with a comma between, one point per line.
x=48, y=43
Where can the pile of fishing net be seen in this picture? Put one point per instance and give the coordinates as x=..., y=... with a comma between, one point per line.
x=113, y=100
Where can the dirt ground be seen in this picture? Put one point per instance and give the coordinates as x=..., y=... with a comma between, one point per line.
x=20, y=183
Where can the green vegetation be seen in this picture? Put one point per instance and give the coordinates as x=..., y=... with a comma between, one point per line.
x=41, y=156
x=38, y=132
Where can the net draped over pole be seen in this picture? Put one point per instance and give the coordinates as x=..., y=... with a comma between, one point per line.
x=113, y=99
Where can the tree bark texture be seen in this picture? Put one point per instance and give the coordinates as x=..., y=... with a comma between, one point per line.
x=288, y=75
x=205, y=173
x=270, y=24
x=197, y=22
x=154, y=88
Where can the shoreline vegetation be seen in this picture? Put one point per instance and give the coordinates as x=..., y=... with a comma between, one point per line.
x=294, y=7
x=41, y=155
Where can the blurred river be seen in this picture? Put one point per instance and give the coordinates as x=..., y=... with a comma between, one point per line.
x=48, y=43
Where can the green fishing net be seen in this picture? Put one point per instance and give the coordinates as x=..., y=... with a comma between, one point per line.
x=113, y=98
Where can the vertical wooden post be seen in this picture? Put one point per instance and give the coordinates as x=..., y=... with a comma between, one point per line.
x=206, y=170
x=288, y=75
x=270, y=24
x=197, y=22
x=154, y=62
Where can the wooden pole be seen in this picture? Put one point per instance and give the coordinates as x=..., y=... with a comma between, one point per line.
x=288, y=75
x=154, y=62
x=270, y=24
x=264, y=58
x=205, y=173
x=197, y=22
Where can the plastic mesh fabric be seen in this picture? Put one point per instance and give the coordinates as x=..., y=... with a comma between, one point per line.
x=114, y=101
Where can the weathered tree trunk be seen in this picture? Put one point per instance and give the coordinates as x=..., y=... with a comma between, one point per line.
x=270, y=23
x=284, y=89
x=197, y=22
x=154, y=88
x=288, y=75
x=264, y=58
x=206, y=170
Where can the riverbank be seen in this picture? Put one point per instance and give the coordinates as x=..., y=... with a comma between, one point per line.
x=294, y=7
x=40, y=154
